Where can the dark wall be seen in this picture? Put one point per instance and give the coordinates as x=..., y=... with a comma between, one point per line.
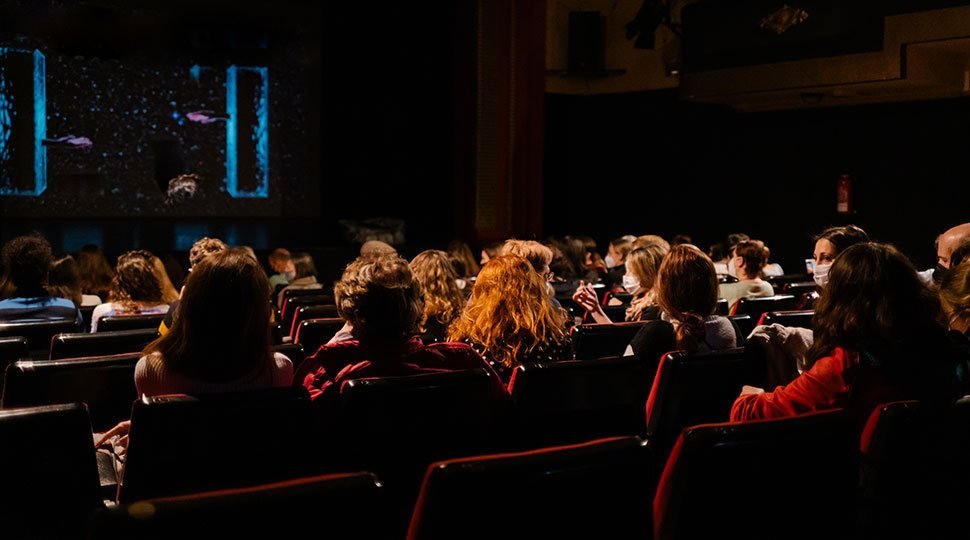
x=649, y=163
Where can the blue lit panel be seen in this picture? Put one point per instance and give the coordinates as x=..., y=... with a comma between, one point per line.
x=18, y=101
x=247, y=132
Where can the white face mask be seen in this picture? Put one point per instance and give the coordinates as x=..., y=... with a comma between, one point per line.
x=821, y=275
x=610, y=261
x=631, y=284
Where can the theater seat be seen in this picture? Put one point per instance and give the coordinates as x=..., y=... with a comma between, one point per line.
x=292, y=351
x=50, y=477
x=12, y=349
x=105, y=384
x=182, y=444
x=743, y=325
x=592, y=341
x=579, y=400
x=114, y=323
x=790, y=478
x=797, y=289
x=292, y=304
x=799, y=319
x=695, y=389
x=345, y=505
x=597, y=489
x=756, y=306
x=38, y=334
x=305, y=313
x=101, y=343
x=316, y=332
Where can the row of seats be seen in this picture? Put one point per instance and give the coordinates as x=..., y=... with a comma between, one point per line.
x=803, y=477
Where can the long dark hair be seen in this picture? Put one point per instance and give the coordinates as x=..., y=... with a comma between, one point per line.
x=843, y=237
x=221, y=331
x=687, y=291
x=874, y=298
x=94, y=270
x=63, y=280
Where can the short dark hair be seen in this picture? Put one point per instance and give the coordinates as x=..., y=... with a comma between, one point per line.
x=303, y=265
x=28, y=260
x=843, y=237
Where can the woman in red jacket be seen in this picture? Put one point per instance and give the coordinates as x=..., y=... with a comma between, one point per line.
x=877, y=339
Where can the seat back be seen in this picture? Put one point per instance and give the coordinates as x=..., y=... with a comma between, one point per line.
x=345, y=505
x=12, y=349
x=799, y=288
x=695, y=389
x=113, y=323
x=597, y=489
x=305, y=313
x=38, y=333
x=805, y=469
x=50, y=477
x=86, y=313
x=915, y=480
x=291, y=304
x=292, y=351
x=756, y=306
x=722, y=307
x=779, y=282
x=105, y=384
x=315, y=332
x=591, y=341
x=799, y=319
x=744, y=325
x=182, y=444
x=101, y=343
x=579, y=400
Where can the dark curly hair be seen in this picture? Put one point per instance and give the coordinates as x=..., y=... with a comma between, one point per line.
x=27, y=260
x=135, y=280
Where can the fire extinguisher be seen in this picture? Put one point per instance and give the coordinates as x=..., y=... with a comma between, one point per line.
x=844, y=195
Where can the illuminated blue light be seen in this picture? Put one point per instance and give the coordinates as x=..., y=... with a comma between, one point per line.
x=259, y=136
x=7, y=114
x=195, y=71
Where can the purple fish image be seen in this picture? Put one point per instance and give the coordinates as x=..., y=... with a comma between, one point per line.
x=69, y=141
x=205, y=116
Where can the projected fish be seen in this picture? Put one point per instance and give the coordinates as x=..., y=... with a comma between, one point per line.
x=69, y=141
x=205, y=116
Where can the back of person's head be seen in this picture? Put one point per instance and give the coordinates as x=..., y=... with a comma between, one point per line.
x=94, y=270
x=575, y=252
x=63, y=280
x=279, y=259
x=955, y=296
x=509, y=313
x=874, y=299
x=560, y=265
x=443, y=299
x=755, y=256
x=135, y=280
x=687, y=292
x=27, y=260
x=734, y=239
x=538, y=255
x=204, y=247
x=376, y=247
x=680, y=239
x=303, y=265
x=461, y=252
x=622, y=246
x=644, y=264
x=381, y=298
x=249, y=251
x=648, y=240
x=843, y=237
x=960, y=254
x=221, y=331
x=169, y=294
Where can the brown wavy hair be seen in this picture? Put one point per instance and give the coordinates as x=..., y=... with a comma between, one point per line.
x=508, y=313
x=443, y=299
x=63, y=280
x=135, y=280
x=380, y=297
x=755, y=256
x=875, y=298
x=169, y=294
x=203, y=247
x=687, y=291
x=94, y=270
x=538, y=255
x=460, y=250
x=222, y=329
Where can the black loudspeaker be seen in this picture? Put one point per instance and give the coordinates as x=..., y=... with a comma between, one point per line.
x=585, y=42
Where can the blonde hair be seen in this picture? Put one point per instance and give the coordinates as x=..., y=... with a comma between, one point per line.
x=442, y=297
x=644, y=263
x=508, y=313
x=379, y=296
x=648, y=240
x=538, y=255
x=955, y=291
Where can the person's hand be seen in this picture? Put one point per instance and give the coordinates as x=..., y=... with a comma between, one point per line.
x=751, y=390
x=586, y=297
x=120, y=431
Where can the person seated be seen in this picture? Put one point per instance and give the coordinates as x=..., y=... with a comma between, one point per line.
x=489, y=252
x=877, y=339
x=201, y=249
x=686, y=292
x=305, y=276
x=27, y=262
x=95, y=271
x=639, y=281
x=135, y=289
x=281, y=262
x=63, y=281
x=771, y=269
x=509, y=320
x=169, y=294
x=461, y=253
x=443, y=300
x=725, y=265
x=955, y=298
x=946, y=245
x=382, y=302
x=539, y=256
x=750, y=257
x=615, y=262
x=376, y=247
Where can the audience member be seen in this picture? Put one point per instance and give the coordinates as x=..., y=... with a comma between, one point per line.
x=615, y=262
x=281, y=262
x=63, y=281
x=381, y=300
x=877, y=339
x=460, y=252
x=489, y=252
x=169, y=294
x=95, y=271
x=771, y=269
x=27, y=262
x=509, y=320
x=648, y=240
x=578, y=257
x=640, y=280
x=724, y=264
x=686, y=292
x=305, y=276
x=201, y=249
x=750, y=257
x=946, y=244
x=955, y=297
x=375, y=247
x=135, y=289
x=443, y=299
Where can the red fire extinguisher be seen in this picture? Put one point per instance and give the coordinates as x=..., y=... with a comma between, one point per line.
x=844, y=195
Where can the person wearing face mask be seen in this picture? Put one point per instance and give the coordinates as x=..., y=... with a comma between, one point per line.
x=749, y=258
x=829, y=244
x=726, y=265
x=642, y=265
x=616, y=262
x=947, y=244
